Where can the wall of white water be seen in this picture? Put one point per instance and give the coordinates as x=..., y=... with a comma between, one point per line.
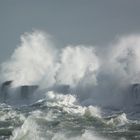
x=91, y=72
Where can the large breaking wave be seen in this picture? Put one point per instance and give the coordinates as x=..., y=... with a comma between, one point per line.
x=90, y=72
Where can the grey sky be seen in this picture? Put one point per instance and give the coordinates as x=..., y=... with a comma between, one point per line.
x=92, y=22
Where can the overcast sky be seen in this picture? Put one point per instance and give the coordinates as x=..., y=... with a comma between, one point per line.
x=91, y=22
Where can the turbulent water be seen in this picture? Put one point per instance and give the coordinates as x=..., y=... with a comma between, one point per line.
x=61, y=117
x=71, y=93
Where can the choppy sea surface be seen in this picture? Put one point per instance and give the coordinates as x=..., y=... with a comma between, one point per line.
x=61, y=117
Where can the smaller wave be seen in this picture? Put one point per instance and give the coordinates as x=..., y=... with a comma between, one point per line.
x=119, y=120
x=9, y=119
x=27, y=131
x=70, y=104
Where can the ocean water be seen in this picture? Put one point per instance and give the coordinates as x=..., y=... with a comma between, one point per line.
x=61, y=117
x=70, y=93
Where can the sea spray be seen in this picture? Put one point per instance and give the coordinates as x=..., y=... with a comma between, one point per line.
x=36, y=61
x=77, y=64
x=31, y=61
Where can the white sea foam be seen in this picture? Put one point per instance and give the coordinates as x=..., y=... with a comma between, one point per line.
x=28, y=131
x=70, y=104
x=7, y=113
x=119, y=120
x=87, y=135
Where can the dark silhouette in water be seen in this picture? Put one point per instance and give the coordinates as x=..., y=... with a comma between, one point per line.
x=26, y=91
x=4, y=90
x=21, y=94
x=136, y=90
